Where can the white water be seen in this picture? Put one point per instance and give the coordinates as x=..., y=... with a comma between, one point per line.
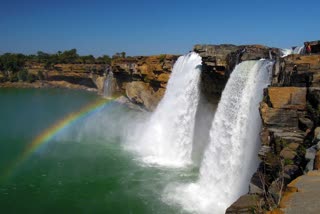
x=297, y=50
x=231, y=156
x=108, y=86
x=166, y=139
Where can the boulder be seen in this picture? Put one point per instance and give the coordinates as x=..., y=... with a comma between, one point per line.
x=288, y=154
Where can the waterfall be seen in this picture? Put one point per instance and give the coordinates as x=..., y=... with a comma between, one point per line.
x=298, y=50
x=167, y=137
x=108, y=86
x=231, y=156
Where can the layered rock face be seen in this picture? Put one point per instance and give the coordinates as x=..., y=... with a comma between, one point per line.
x=290, y=114
x=143, y=79
x=76, y=76
x=218, y=61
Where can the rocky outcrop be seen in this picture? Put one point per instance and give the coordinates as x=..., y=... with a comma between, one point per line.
x=143, y=79
x=218, y=61
x=290, y=117
x=75, y=76
x=143, y=94
x=302, y=195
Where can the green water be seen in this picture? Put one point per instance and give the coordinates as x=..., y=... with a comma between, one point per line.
x=84, y=168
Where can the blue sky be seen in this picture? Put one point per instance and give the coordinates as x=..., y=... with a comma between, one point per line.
x=146, y=27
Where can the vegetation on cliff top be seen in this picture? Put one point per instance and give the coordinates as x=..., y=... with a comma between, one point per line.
x=19, y=67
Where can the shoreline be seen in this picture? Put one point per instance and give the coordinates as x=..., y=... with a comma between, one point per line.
x=47, y=84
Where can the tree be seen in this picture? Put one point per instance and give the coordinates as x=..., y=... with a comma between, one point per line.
x=69, y=56
x=105, y=59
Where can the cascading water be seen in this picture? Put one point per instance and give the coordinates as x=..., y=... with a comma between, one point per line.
x=108, y=87
x=166, y=139
x=230, y=158
x=296, y=50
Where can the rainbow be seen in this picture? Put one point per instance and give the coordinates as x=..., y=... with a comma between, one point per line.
x=51, y=131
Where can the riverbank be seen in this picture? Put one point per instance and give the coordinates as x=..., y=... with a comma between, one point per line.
x=46, y=84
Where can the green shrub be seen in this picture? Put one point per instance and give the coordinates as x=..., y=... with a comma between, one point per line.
x=23, y=75
x=13, y=77
x=288, y=162
x=40, y=75
x=162, y=57
x=31, y=78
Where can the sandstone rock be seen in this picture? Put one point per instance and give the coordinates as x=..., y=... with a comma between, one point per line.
x=264, y=150
x=310, y=153
x=257, y=183
x=278, y=117
x=287, y=97
x=305, y=123
x=125, y=101
x=290, y=172
x=317, y=161
x=293, y=146
x=310, y=156
x=142, y=94
x=275, y=189
x=314, y=95
x=317, y=133
x=245, y=204
x=287, y=153
x=153, y=71
x=302, y=195
x=99, y=82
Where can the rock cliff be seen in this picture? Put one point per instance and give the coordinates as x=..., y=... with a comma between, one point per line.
x=290, y=115
x=143, y=79
x=75, y=76
x=218, y=61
